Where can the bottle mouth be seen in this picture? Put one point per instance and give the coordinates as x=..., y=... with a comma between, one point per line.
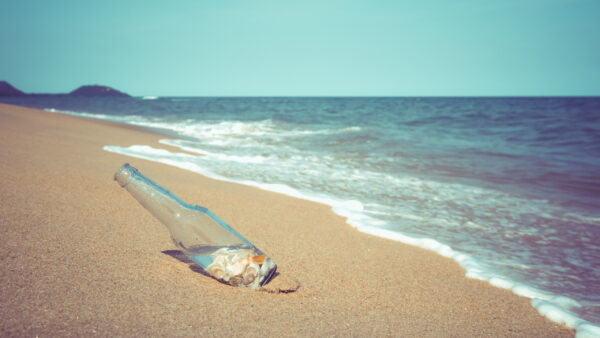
x=124, y=174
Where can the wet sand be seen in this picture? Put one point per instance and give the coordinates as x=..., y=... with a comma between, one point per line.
x=80, y=256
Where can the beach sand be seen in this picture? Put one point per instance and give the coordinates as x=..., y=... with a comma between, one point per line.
x=80, y=256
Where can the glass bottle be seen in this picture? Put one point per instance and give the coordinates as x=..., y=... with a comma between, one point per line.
x=220, y=250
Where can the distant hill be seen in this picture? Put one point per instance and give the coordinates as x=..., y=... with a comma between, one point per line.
x=96, y=90
x=6, y=89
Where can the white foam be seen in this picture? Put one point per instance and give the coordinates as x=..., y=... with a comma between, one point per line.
x=162, y=156
x=80, y=114
x=128, y=119
x=554, y=309
x=587, y=330
x=238, y=132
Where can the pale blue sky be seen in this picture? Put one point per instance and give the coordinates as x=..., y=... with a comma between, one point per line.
x=304, y=48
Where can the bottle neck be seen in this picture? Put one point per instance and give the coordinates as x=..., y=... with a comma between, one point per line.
x=133, y=181
x=179, y=217
x=157, y=200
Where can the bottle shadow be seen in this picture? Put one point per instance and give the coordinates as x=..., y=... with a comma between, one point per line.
x=183, y=258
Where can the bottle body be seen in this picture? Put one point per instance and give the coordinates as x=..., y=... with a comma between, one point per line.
x=220, y=250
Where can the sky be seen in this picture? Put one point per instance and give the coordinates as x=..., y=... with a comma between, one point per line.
x=304, y=48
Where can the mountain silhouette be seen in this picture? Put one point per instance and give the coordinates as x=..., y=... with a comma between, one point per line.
x=7, y=90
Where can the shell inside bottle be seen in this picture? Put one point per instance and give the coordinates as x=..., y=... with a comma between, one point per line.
x=241, y=267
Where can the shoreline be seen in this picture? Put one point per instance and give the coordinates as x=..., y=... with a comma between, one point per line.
x=350, y=282
x=555, y=307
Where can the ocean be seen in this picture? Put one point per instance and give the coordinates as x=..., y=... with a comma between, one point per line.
x=507, y=187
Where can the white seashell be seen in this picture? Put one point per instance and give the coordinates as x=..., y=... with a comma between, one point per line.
x=250, y=274
x=238, y=268
x=217, y=273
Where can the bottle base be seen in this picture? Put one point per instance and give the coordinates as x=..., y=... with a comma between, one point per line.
x=236, y=266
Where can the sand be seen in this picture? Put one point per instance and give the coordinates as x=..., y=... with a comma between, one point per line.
x=80, y=256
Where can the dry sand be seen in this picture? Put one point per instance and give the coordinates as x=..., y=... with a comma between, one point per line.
x=80, y=256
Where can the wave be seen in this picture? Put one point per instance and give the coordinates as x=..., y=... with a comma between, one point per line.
x=216, y=130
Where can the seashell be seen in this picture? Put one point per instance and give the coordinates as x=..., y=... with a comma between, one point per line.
x=236, y=280
x=250, y=275
x=258, y=259
x=217, y=273
x=239, y=267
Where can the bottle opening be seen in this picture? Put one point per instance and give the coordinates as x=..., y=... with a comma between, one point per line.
x=123, y=175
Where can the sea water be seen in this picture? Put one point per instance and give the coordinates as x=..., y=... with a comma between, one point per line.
x=507, y=187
